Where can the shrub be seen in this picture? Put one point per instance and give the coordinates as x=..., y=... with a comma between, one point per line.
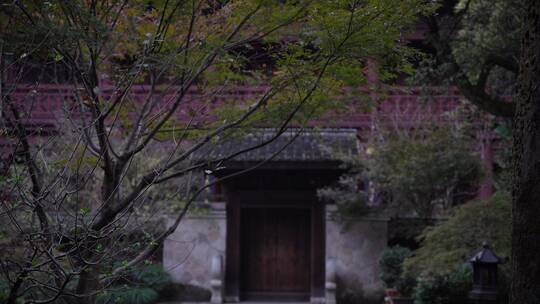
x=446, y=248
x=460, y=281
x=151, y=276
x=449, y=244
x=431, y=290
x=175, y=292
x=354, y=296
x=391, y=264
x=128, y=295
x=406, y=285
x=141, y=286
x=452, y=288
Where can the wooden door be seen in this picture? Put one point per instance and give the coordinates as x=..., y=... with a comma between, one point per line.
x=275, y=252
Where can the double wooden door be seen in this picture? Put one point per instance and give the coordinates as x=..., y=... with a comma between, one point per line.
x=275, y=251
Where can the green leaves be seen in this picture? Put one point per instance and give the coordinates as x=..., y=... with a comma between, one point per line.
x=444, y=288
x=347, y=74
x=391, y=263
x=128, y=295
x=451, y=242
x=176, y=66
x=84, y=211
x=421, y=171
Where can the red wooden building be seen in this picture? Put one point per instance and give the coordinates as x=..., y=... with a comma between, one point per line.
x=266, y=236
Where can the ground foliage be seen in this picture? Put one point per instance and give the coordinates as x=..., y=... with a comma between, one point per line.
x=128, y=295
x=141, y=285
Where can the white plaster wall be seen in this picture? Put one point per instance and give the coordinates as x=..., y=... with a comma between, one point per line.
x=357, y=248
x=187, y=253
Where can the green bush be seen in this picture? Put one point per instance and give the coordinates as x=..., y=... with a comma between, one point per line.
x=449, y=244
x=452, y=288
x=175, y=292
x=391, y=264
x=128, y=295
x=431, y=290
x=441, y=262
x=151, y=276
x=141, y=286
x=406, y=285
x=355, y=296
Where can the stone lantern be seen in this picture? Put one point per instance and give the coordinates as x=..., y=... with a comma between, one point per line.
x=485, y=265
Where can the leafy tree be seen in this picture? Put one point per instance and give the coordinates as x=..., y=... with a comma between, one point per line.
x=421, y=171
x=475, y=47
x=478, y=43
x=413, y=172
x=70, y=196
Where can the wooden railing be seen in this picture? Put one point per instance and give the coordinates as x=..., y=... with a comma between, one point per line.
x=44, y=105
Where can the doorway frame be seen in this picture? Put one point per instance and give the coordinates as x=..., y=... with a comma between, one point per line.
x=282, y=199
x=300, y=296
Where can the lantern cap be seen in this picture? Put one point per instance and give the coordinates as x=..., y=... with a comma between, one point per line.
x=486, y=256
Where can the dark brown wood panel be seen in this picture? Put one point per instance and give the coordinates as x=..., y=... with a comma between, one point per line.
x=275, y=250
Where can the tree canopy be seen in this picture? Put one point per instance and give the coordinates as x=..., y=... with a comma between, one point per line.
x=420, y=173
x=128, y=129
x=475, y=46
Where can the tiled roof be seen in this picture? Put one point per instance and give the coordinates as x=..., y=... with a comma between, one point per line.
x=312, y=145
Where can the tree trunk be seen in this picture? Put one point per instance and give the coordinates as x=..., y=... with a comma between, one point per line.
x=526, y=185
